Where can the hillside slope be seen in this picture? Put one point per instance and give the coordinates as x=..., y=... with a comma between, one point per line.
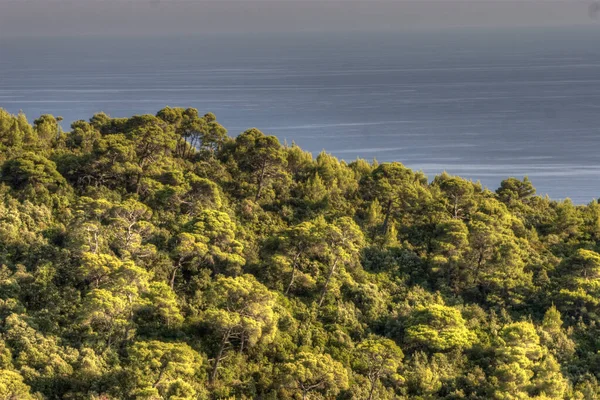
x=154, y=257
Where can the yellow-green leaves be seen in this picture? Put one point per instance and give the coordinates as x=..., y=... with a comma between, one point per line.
x=524, y=366
x=309, y=372
x=241, y=313
x=437, y=327
x=13, y=387
x=378, y=358
x=163, y=370
x=261, y=159
x=213, y=242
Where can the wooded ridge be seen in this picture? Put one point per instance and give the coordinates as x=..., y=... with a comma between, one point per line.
x=155, y=257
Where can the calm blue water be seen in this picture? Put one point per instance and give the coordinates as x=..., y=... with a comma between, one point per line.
x=478, y=103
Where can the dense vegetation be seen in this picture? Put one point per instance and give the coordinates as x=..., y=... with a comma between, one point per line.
x=154, y=257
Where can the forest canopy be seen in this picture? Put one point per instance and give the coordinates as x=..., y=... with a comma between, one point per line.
x=156, y=257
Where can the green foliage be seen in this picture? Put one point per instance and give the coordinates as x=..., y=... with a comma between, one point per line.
x=260, y=158
x=438, y=328
x=311, y=373
x=12, y=386
x=240, y=312
x=524, y=369
x=580, y=283
x=213, y=235
x=154, y=257
x=32, y=171
x=379, y=358
x=158, y=369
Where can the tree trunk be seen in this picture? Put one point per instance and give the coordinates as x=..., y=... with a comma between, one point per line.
x=260, y=180
x=331, y=272
x=294, y=266
x=95, y=242
x=213, y=374
x=137, y=183
x=178, y=147
x=455, y=207
x=386, y=221
x=172, y=283
x=372, y=390
x=187, y=149
x=160, y=375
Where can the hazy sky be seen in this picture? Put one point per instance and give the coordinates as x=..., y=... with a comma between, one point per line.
x=143, y=17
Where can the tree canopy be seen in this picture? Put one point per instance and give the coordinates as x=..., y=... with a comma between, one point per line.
x=156, y=257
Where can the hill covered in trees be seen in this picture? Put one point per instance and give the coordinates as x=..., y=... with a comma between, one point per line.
x=154, y=257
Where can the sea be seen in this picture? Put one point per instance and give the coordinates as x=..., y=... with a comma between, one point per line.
x=485, y=104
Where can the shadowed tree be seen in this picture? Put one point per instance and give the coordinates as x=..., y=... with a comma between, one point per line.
x=579, y=277
x=395, y=187
x=459, y=193
x=153, y=140
x=513, y=189
x=32, y=170
x=261, y=157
